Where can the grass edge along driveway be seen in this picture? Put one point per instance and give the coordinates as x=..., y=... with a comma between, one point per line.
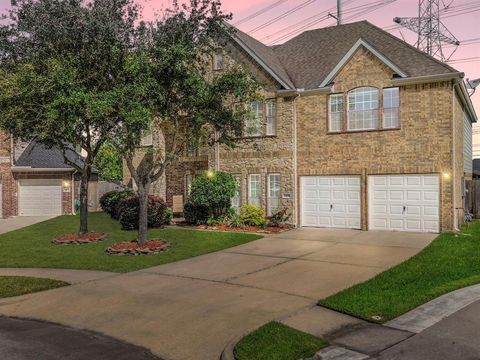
x=450, y=262
x=21, y=285
x=276, y=341
x=31, y=247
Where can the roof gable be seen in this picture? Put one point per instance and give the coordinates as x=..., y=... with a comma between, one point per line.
x=346, y=58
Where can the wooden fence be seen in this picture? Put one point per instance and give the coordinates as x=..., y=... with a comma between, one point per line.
x=472, y=197
x=96, y=190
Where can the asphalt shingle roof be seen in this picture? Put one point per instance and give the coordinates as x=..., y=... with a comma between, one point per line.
x=38, y=156
x=309, y=57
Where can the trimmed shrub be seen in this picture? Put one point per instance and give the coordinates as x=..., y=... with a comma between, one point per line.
x=252, y=215
x=195, y=214
x=168, y=216
x=110, y=200
x=128, y=210
x=210, y=197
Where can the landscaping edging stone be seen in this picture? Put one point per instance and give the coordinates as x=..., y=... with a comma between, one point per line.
x=78, y=240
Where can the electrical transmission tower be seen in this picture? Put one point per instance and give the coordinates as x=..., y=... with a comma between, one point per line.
x=432, y=34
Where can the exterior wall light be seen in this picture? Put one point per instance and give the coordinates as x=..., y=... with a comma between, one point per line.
x=66, y=184
x=446, y=175
x=210, y=174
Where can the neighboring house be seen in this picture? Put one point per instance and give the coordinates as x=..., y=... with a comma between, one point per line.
x=35, y=180
x=357, y=129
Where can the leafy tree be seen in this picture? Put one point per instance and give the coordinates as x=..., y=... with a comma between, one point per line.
x=64, y=75
x=177, y=97
x=109, y=163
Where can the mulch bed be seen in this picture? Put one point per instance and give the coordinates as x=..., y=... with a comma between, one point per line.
x=76, y=239
x=133, y=248
x=250, y=229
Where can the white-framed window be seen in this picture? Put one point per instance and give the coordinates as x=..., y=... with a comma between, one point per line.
x=391, y=108
x=236, y=202
x=363, y=109
x=254, y=189
x=271, y=115
x=274, y=191
x=147, y=138
x=335, y=112
x=253, y=122
x=218, y=59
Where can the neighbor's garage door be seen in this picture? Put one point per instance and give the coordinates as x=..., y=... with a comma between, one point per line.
x=404, y=202
x=40, y=197
x=330, y=201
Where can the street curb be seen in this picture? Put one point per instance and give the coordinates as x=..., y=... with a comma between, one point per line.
x=227, y=353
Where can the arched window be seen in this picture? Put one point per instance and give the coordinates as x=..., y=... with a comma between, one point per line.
x=363, y=109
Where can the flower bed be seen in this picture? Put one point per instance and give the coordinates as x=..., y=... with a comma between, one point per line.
x=133, y=248
x=76, y=239
x=250, y=229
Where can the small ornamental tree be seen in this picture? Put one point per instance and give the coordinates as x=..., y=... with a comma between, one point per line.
x=64, y=75
x=171, y=92
x=213, y=191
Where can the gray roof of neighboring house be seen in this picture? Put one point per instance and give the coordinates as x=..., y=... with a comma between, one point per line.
x=305, y=60
x=39, y=156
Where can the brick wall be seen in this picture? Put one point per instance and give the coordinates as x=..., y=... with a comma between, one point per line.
x=423, y=144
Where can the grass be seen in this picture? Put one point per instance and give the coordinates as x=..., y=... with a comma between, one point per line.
x=20, y=285
x=450, y=262
x=275, y=341
x=31, y=246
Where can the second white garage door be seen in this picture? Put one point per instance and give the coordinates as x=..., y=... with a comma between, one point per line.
x=330, y=201
x=404, y=202
x=40, y=197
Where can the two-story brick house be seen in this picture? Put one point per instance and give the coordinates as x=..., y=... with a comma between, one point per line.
x=357, y=129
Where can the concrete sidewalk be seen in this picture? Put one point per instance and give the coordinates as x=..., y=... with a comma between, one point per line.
x=453, y=338
x=18, y=222
x=192, y=309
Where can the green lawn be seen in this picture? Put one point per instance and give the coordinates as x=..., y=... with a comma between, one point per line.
x=275, y=341
x=20, y=285
x=32, y=247
x=450, y=262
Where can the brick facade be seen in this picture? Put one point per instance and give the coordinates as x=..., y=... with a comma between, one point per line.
x=430, y=133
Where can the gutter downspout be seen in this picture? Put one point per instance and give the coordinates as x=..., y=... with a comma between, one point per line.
x=72, y=187
x=455, y=220
x=295, y=173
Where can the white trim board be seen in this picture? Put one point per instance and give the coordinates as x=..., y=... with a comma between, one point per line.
x=331, y=75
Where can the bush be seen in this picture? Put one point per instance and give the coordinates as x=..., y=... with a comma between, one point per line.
x=195, y=214
x=252, y=215
x=110, y=200
x=128, y=210
x=168, y=216
x=280, y=217
x=234, y=220
x=210, y=197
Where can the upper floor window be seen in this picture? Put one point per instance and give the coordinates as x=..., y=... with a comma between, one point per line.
x=261, y=118
x=218, y=60
x=336, y=112
x=363, y=108
x=391, y=108
x=147, y=138
x=271, y=117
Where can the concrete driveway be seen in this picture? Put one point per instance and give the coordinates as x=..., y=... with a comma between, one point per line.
x=18, y=222
x=191, y=309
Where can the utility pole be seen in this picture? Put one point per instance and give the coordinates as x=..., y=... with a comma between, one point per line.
x=432, y=34
x=339, y=12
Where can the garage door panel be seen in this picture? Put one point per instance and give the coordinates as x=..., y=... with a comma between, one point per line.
x=337, y=203
x=40, y=197
x=412, y=202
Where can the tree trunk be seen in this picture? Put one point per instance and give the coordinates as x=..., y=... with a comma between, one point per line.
x=143, y=190
x=84, y=199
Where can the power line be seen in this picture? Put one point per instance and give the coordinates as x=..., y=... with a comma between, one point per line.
x=260, y=12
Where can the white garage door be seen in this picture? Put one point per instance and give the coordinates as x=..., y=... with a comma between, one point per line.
x=40, y=197
x=404, y=202
x=331, y=201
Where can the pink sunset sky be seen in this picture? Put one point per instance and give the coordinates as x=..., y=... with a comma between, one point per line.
x=461, y=19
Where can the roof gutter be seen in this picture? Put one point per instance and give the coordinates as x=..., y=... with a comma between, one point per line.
x=466, y=100
x=30, y=169
x=427, y=78
x=303, y=92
